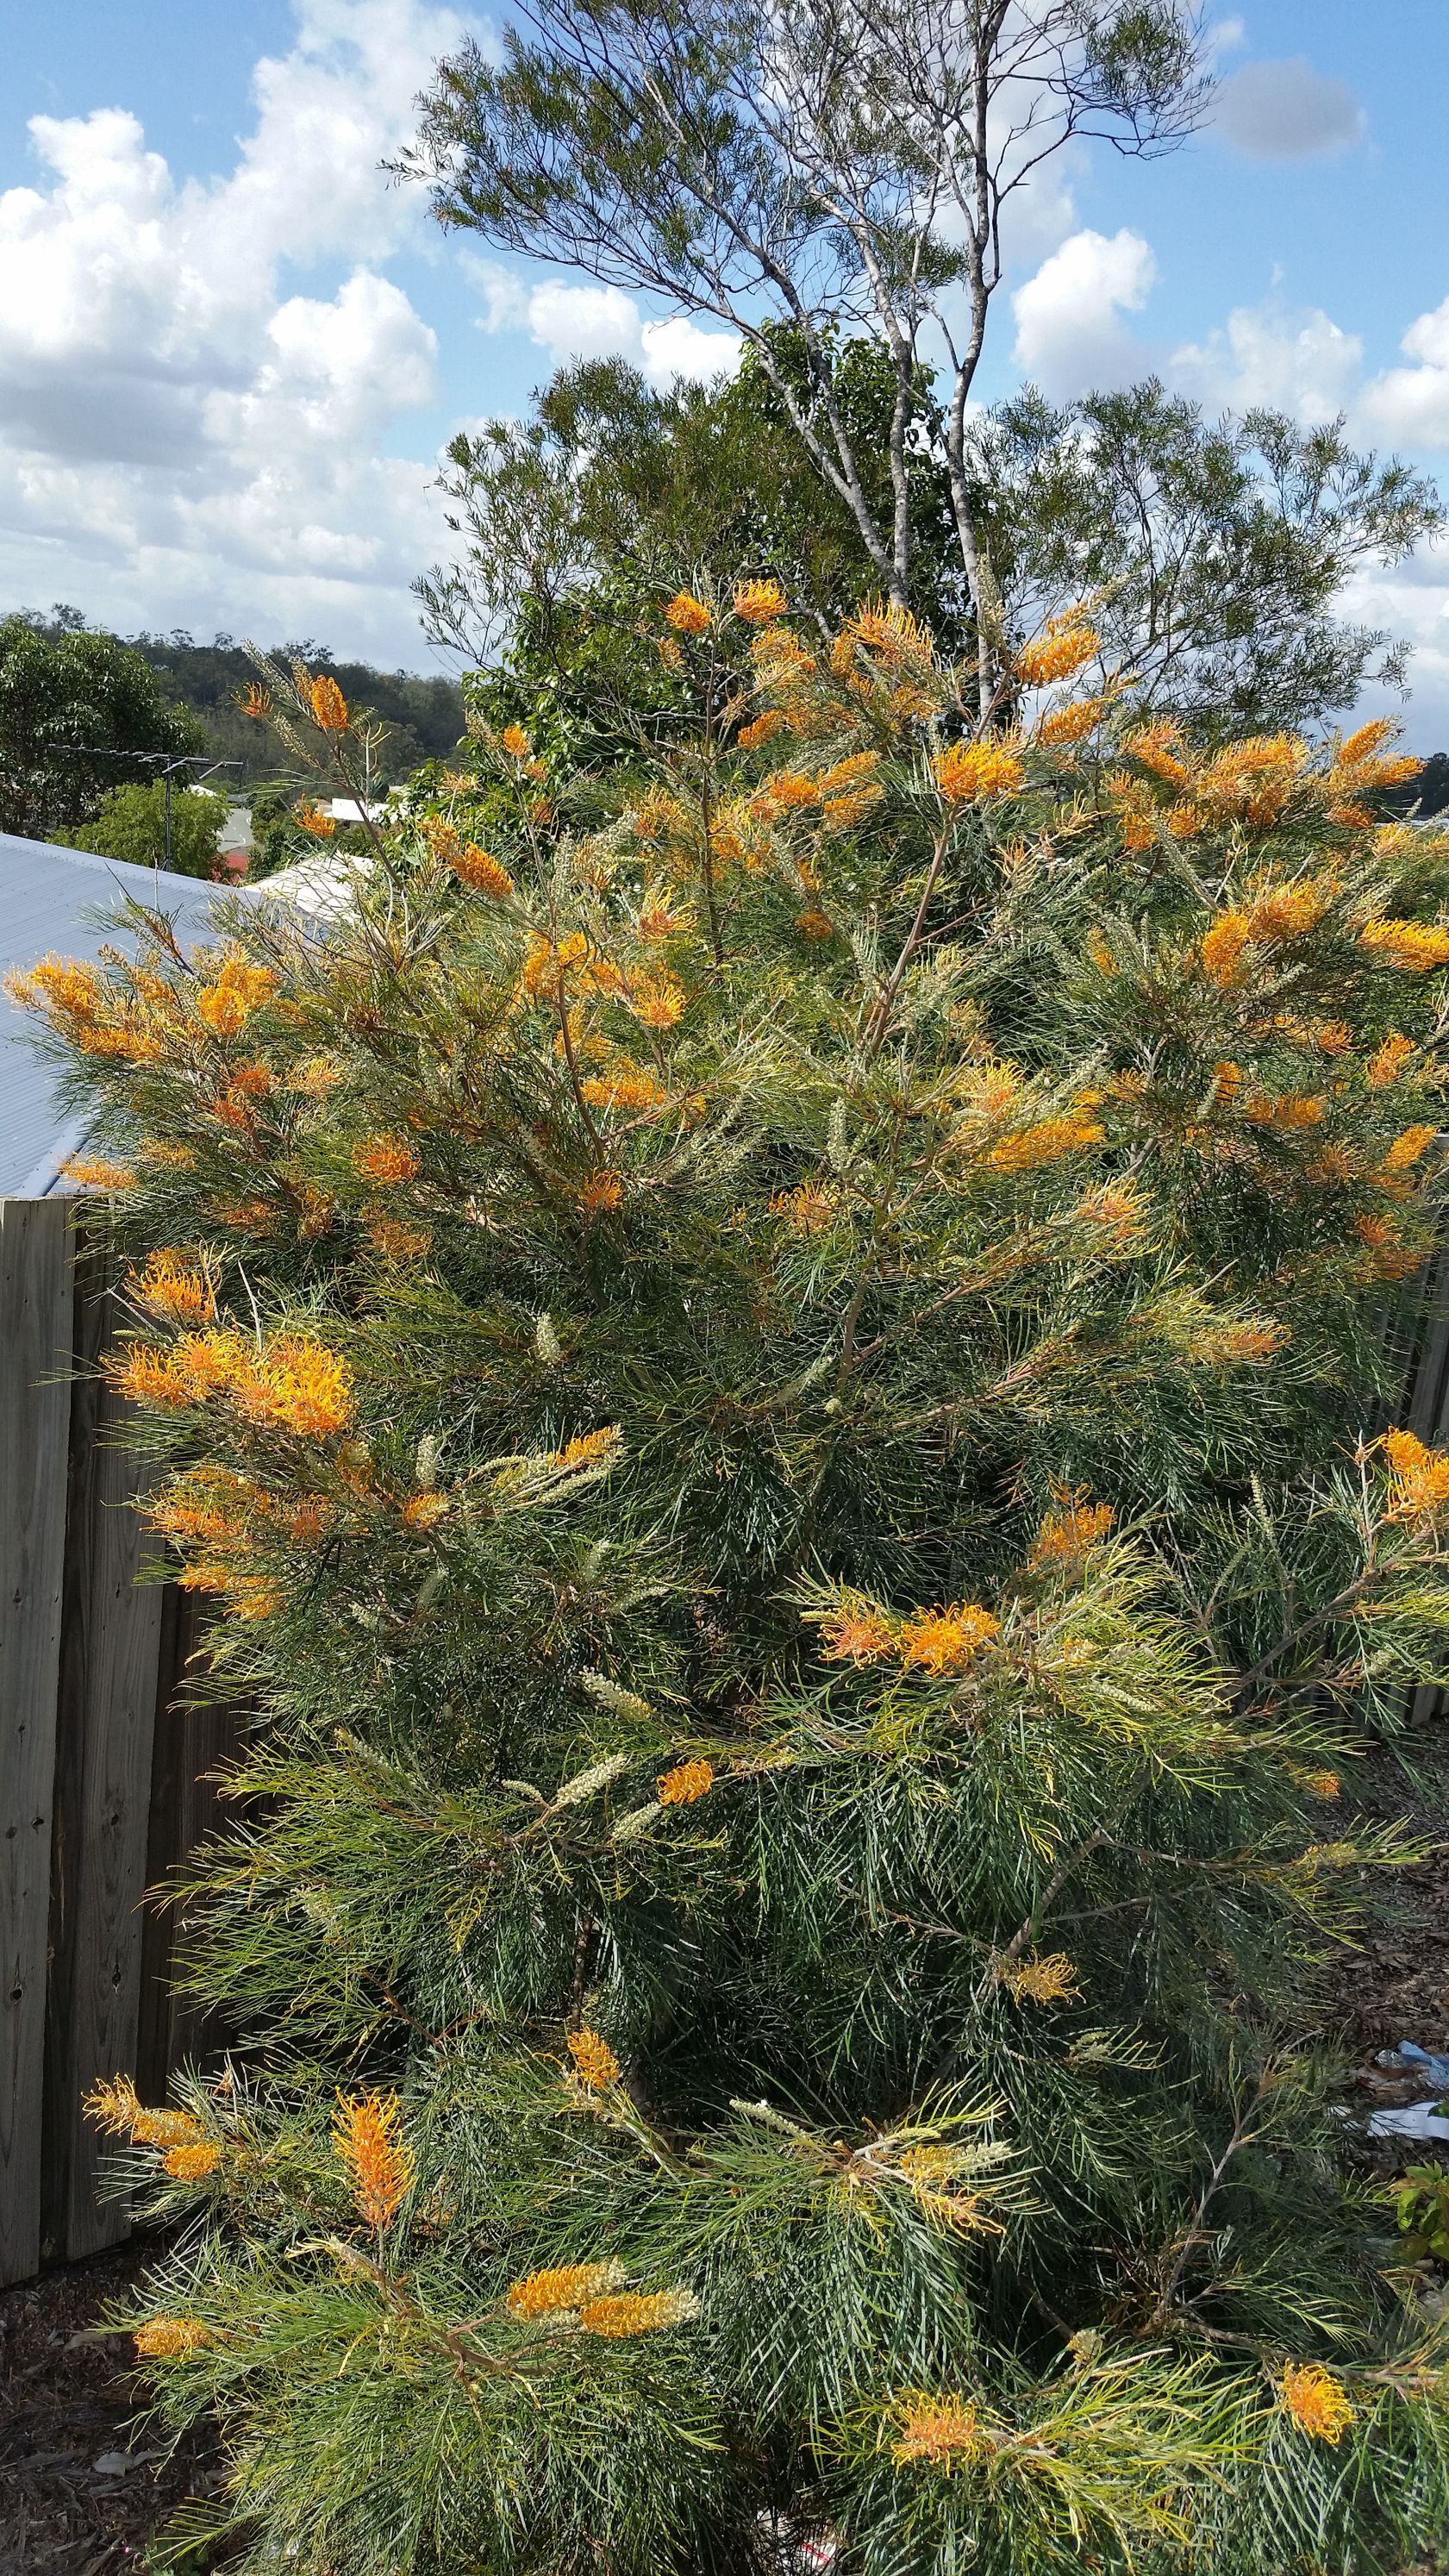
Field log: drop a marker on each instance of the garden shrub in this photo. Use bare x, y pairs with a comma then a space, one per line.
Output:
780, 1399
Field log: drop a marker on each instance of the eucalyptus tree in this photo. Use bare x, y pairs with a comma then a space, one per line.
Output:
807, 171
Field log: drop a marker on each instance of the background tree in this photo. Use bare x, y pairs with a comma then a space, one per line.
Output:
1217, 549
579, 522
770, 1395
130, 824
813, 170
68, 688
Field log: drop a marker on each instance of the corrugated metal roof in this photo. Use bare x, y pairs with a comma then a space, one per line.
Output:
49, 900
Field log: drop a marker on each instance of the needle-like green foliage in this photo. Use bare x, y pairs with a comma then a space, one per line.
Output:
777, 1397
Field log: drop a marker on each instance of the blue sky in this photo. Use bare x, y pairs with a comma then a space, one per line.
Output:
230, 350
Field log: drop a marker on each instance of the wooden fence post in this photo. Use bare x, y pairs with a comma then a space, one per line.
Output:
35, 1338
110, 1634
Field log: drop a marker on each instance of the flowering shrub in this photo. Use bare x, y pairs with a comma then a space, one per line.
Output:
775, 1394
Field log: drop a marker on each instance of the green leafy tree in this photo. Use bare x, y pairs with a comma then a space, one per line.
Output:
577, 524
1216, 551
769, 1394
65, 697
806, 172
131, 824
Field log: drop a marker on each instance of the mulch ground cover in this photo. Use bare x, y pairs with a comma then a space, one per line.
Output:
82, 2486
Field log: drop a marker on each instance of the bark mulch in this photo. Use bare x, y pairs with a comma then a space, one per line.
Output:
82, 2487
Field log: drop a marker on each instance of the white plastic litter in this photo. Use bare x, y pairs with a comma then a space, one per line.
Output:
1416, 2120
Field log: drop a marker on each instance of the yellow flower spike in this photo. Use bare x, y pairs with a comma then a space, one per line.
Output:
635, 2313
516, 742
1049, 1980
594, 2061
375, 2157
1319, 2404
547, 2294
169, 2338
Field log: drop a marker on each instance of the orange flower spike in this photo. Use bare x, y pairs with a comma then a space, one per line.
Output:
686, 1783
1417, 947
328, 705
759, 602
89, 1173
1407, 1148
299, 1386
1069, 641
1318, 2403
550, 2293
367, 2143
385, 1159
1222, 945
688, 615
1388, 1061
481, 872
968, 772
170, 1287
192, 2160
856, 1633
946, 1641
634, 2312
254, 701
602, 1193
936, 2432
516, 742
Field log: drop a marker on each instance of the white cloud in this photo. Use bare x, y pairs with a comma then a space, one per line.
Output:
1286, 111
1070, 335
179, 437
1301, 363
1412, 403
601, 322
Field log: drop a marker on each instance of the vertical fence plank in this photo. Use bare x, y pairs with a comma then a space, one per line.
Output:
35, 1341
193, 1735
106, 1706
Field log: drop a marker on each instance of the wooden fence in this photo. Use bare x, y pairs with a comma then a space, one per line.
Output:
102, 1763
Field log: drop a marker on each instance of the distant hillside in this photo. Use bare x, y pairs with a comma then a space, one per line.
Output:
424, 716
